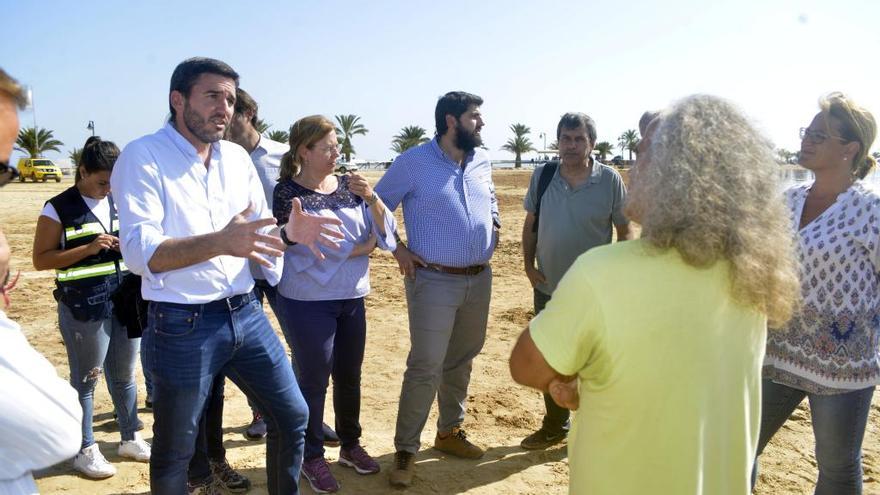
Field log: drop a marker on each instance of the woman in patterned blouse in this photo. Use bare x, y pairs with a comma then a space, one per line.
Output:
321, 301
828, 352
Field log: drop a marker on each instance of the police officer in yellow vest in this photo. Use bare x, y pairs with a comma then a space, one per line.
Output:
77, 235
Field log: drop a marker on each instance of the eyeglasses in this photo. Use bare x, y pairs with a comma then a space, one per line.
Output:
331, 149
819, 137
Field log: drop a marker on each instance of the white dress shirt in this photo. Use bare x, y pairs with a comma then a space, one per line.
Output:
41, 420
267, 161
164, 191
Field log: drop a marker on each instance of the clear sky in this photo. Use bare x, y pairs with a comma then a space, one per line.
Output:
389, 61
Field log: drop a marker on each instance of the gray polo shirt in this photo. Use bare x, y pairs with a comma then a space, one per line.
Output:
574, 220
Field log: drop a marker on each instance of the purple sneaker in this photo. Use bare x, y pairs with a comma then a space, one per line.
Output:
317, 472
358, 458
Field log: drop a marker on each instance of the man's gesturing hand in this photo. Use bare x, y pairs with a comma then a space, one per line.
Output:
242, 238
310, 230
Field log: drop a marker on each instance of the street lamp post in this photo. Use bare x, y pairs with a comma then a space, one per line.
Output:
91, 127
544, 136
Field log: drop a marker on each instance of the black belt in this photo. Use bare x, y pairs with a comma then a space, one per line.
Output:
229, 304
458, 270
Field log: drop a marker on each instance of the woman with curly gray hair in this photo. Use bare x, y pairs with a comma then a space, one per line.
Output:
665, 335
828, 352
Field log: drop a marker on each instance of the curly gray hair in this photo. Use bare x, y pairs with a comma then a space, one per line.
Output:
706, 184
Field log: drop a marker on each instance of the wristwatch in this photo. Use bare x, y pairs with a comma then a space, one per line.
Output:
284, 236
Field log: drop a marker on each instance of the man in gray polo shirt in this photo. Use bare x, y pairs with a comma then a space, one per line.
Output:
577, 209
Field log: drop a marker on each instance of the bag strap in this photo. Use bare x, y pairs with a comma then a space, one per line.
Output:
543, 182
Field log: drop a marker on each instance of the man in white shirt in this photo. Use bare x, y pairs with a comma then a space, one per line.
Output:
192, 213
40, 415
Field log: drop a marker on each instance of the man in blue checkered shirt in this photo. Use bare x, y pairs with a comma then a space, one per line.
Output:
451, 217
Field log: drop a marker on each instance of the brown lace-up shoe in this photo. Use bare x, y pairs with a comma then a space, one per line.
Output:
401, 475
456, 443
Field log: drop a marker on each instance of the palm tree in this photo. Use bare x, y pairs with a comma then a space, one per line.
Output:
785, 156
603, 148
262, 126
36, 141
628, 141
520, 143
348, 127
633, 147
279, 136
75, 156
410, 137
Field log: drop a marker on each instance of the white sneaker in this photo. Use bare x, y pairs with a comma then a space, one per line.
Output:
91, 463
136, 449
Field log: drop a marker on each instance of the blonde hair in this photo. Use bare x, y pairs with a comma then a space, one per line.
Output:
857, 124
711, 191
304, 132
9, 88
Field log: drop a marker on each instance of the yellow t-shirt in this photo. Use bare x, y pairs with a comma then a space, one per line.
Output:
669, 368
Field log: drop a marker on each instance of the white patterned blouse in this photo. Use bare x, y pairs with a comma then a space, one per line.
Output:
831, 344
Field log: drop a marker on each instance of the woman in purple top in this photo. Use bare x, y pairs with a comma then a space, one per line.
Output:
321, 298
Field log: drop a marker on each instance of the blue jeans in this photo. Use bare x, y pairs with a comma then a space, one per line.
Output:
838, 425
187, 346
328, 339
148, 380
93, 348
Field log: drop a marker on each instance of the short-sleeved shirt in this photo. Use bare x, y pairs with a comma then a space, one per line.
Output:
670, 388
574, 219
830, 346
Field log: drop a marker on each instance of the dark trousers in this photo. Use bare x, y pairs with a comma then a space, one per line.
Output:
328, 339
209, 442
556, 419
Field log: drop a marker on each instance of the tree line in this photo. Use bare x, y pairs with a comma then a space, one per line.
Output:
35, 141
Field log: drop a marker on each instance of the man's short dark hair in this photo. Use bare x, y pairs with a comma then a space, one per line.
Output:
187, 73
574, 120
454, 103
244, 103
9, 88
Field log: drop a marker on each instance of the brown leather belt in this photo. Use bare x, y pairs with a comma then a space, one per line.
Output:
456, 270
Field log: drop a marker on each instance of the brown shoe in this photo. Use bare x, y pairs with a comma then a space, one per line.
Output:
404, 466
456, 443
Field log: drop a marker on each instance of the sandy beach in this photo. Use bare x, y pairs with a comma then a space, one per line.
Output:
500, 413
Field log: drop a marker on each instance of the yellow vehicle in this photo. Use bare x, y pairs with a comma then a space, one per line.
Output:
38, 169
